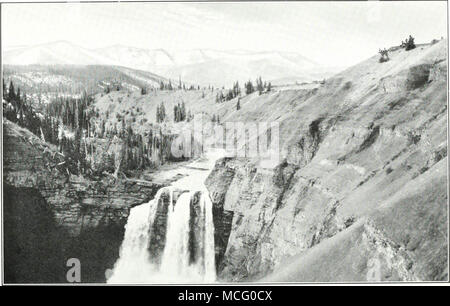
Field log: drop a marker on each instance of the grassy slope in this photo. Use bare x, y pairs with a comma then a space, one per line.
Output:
395, 185
143, 107
412, 226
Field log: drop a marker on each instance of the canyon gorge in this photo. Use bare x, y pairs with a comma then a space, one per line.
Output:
359, 193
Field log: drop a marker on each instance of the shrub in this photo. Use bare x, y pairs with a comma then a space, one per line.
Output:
384, 55
347, 85
408, 44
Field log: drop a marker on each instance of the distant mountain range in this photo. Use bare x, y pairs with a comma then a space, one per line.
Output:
55, 53
199, 66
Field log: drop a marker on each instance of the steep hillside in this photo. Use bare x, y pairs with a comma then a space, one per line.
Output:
140, 110
402, 240
361, 192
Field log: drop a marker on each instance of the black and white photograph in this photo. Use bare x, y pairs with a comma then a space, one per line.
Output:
224, 143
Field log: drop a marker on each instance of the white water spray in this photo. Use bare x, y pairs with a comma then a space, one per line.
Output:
175, 259
177, 264
133, 263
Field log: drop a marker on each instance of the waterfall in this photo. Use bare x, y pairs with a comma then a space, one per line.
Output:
171, 238
175, 258
188, 254
210, 258
133, 264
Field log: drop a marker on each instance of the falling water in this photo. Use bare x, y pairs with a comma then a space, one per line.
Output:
175, 259
210, 261
133, 264
184, 258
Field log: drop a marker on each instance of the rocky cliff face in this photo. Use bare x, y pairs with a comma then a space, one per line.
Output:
361, 191
91, 215
30, 232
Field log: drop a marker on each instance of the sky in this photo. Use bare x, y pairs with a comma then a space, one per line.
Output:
330, 33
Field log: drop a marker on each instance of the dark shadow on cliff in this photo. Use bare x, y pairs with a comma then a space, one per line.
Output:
97, 249
33, 250
36, 249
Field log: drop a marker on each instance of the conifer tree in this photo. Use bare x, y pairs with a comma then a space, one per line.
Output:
249, 88
157, 113
4, 89
259, 85
175, 113
183, 112
11, 92
236, 89
162, 112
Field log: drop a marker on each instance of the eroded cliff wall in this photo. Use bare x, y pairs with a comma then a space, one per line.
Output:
81, 218
361, 190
